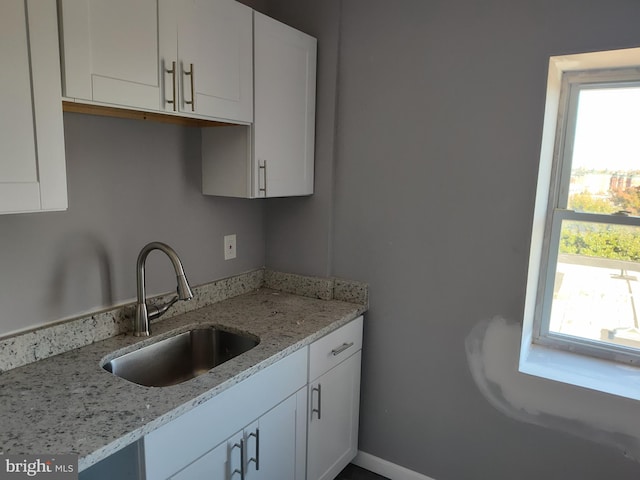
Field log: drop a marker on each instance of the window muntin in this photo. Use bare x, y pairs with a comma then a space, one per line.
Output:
591, 266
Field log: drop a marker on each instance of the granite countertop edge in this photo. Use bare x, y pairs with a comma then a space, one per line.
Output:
89, 399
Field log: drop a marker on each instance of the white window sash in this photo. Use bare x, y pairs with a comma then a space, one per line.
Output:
568, 342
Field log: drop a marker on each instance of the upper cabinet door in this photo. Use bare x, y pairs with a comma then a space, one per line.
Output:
185, 57
284, 116
32, 165
111, 51
214, 57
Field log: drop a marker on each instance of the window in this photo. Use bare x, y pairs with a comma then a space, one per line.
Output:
582, 306
591, 265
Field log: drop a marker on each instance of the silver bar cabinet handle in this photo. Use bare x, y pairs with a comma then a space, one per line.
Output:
172, 71
191, 75
257, 457
319, 409
262, 167
241, 447
338, 350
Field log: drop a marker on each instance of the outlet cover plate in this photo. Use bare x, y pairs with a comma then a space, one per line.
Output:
230, 247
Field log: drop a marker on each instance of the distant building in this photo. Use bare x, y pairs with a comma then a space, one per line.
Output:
592, 183
602, 183
622, 182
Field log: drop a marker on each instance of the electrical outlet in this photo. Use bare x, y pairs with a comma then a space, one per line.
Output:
229, 247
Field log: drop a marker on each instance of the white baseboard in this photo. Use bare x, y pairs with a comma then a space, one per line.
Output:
386, 469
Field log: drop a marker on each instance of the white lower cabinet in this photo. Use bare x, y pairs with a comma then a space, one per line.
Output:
296, 419
254, 430
281, 436
334, 401
214, 464
272, 447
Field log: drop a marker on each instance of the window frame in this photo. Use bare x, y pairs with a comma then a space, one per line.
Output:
537, 360
572, 83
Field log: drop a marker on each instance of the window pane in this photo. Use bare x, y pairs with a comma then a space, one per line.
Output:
605, 167
596, 291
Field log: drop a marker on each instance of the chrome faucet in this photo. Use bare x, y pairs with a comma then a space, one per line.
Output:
141, 326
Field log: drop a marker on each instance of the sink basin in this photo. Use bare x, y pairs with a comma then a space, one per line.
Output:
181, 357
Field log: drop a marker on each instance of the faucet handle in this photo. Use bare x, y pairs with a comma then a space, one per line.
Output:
157, 310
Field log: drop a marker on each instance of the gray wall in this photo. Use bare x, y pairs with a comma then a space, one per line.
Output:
130, 182
440, 108
299, 239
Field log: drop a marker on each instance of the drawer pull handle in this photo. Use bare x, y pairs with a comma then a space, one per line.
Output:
191, 77
338, 350
262, 167
319, 409
241, 447
257, 457
172, 71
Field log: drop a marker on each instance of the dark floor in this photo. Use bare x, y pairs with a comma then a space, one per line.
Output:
351, 472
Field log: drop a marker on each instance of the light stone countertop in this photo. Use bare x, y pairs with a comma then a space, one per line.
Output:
68, 404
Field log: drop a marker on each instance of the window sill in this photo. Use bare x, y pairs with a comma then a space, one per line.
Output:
575, 369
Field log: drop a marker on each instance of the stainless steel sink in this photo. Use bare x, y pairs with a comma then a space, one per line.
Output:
181, 357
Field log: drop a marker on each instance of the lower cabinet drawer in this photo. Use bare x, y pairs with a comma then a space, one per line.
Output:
333, 348
180, 442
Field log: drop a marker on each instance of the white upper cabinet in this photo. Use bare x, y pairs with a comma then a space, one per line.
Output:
32, 163
275, 157
185, 57
213, 51
111, 52
285, 100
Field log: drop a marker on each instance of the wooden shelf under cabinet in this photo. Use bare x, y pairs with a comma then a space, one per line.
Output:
137, 115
